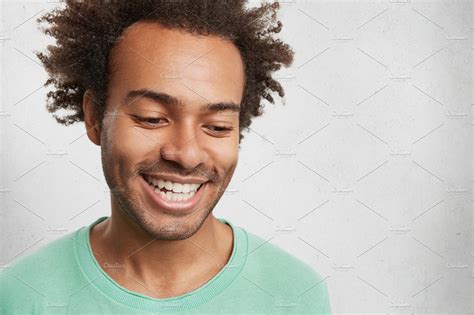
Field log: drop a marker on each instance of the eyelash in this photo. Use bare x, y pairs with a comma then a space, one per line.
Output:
149, 119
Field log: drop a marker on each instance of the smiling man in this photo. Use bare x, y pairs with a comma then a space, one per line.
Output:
165, 88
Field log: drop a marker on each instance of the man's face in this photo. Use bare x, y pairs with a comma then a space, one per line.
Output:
158, 125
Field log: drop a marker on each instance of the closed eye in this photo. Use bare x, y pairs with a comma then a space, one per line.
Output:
156, 121
150, 120
220, 128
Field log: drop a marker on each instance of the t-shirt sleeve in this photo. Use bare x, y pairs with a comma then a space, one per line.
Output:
327, 304
17, 296
314, 300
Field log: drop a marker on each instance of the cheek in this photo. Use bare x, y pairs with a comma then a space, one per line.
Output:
126, 145
224, 158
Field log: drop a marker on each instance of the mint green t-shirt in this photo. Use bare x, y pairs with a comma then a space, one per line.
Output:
63, 277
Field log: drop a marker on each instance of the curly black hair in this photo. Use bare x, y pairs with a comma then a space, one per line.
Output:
86, 31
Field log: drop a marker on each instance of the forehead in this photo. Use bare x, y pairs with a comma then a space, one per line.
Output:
194, 68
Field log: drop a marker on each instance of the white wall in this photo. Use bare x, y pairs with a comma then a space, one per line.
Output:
367, 165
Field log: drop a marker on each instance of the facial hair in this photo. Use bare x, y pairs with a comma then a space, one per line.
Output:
126, 199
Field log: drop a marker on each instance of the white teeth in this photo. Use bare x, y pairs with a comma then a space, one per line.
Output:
177, 191
186, 188
174, 196
161, 183
162, 193
177, 187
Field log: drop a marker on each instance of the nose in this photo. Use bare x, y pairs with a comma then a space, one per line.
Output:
183, 147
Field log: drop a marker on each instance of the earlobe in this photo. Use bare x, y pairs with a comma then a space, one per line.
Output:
91, 119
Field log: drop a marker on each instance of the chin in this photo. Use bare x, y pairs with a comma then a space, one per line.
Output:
165, 227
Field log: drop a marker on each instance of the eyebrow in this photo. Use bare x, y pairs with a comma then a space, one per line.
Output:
170, 100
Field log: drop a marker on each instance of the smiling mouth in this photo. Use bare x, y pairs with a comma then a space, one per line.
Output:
172, 191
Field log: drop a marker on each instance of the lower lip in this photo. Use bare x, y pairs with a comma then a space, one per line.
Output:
173, 206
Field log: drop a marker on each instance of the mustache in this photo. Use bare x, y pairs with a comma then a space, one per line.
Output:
162, 169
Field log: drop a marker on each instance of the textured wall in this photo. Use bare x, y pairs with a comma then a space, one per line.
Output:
364, 172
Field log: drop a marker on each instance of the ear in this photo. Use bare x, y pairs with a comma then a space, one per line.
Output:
91, 118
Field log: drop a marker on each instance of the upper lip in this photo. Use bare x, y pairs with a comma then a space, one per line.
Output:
178, 179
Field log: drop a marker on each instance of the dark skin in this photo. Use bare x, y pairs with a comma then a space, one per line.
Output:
159, 253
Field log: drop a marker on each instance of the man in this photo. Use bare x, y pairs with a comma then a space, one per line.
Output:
165, 89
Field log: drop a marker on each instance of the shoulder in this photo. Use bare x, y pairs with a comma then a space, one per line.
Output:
48, 257
30, 282
267, 258
293, 282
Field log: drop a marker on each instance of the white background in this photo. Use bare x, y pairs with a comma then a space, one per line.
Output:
364, 172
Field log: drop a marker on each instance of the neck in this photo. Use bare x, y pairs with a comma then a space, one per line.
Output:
164, 266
